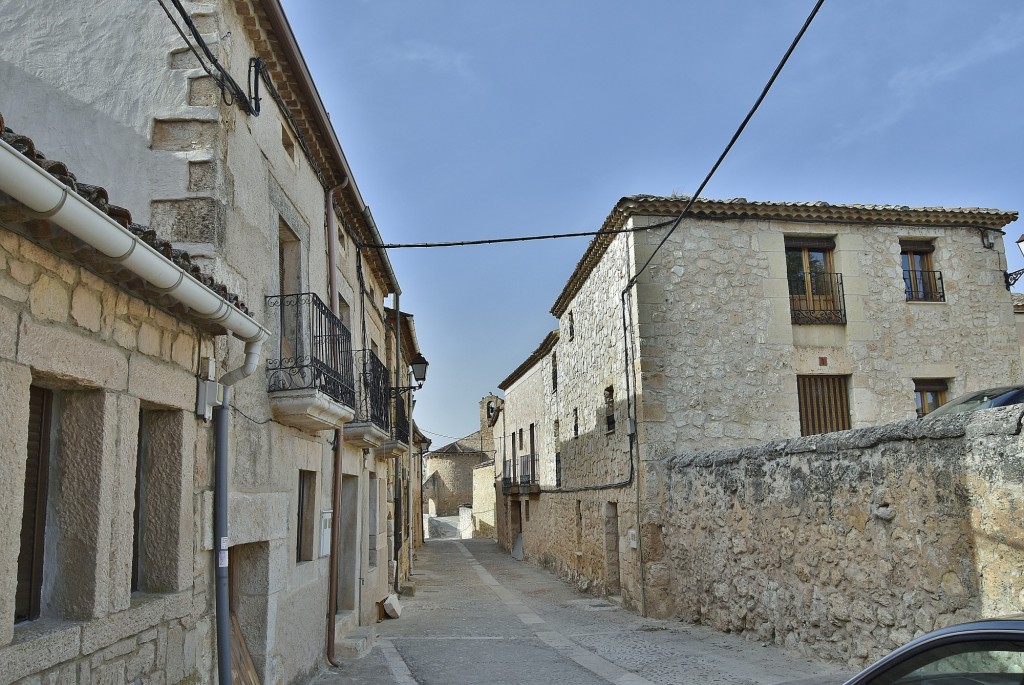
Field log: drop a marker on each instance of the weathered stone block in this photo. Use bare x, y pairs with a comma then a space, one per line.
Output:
202, 92
83, 359
49, 299
202, 176
86, 309
183, 135
38, 646
191, 220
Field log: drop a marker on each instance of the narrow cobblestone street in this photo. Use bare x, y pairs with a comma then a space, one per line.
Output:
479, 616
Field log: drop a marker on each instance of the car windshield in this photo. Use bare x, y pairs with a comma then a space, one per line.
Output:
965, 663
978, 400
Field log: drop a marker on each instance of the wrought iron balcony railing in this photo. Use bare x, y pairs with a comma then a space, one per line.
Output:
373, 390
817, 298
508, 471
314, 350
527, 475
923, 286
401, 421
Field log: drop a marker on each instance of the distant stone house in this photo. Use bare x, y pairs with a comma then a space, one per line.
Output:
114, 349
448, 470
755, 321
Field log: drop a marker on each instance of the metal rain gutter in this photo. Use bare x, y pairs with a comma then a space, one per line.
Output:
33, 187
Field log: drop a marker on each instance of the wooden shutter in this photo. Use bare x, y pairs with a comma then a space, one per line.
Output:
33, 520
824, 404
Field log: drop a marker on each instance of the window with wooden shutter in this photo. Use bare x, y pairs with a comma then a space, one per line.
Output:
33, 520
824, 404
929, 394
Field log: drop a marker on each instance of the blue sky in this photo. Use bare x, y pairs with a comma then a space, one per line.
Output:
466, 119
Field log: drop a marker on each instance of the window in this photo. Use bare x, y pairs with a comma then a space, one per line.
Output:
572, 326
558, 454
554, 372
824, 404
815, 290
575, 423
306, 516
289, 282
929, 394
609, 409
160, 543
287, 142
33, 520
920, 282
522, 444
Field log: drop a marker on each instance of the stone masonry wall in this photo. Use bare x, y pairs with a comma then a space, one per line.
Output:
721, 356
582, 528
448, 482
108, 355
846, 545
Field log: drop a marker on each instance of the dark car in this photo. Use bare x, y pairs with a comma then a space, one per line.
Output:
989, 652
982, 399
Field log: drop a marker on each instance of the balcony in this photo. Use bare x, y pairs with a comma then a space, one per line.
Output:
519, 475
311, 381
923, 286
399, 442
817, 298
371, 426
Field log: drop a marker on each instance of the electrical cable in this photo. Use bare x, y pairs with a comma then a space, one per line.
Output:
519, 239
220, 84
251, 419
257, 65
732, 141
231, 92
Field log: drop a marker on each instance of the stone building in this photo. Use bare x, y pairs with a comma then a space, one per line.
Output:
755, 321
114, 353
448, 470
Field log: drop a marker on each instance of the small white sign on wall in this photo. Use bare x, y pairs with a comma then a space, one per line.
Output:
631, 539
325, 532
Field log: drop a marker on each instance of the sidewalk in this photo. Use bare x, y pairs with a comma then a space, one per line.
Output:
479, 616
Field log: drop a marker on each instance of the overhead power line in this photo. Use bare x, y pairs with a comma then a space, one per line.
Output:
520, 239
732, 141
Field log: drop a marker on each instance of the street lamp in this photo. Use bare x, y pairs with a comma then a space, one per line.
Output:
419, 373
1013, 276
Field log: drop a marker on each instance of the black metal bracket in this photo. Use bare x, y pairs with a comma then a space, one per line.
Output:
1012, 277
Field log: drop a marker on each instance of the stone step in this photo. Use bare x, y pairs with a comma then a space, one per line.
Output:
357, 643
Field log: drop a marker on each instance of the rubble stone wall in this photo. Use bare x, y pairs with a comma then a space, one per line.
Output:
845, 545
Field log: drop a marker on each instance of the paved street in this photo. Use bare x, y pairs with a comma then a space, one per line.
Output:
479, 616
